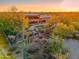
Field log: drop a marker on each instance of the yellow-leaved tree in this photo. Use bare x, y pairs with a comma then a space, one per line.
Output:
52, 20
25, 23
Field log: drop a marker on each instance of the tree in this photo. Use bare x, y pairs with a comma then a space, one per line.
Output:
13, 9
64, 30
71, 29
54, 19
60, 29
25, 23
66, 20
56, 44
76, 25
6, 26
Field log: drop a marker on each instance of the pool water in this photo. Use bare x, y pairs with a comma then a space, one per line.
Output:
73, 46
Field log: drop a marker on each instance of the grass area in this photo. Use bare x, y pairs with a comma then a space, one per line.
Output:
4, 45
6, 57
3, 42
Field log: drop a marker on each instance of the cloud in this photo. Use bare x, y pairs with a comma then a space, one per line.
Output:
29, 1
70, 4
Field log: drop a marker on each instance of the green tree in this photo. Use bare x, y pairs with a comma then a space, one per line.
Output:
60, 29
76, 25
56, 44
64, 30
6, 26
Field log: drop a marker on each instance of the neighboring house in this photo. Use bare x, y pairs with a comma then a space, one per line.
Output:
36, 18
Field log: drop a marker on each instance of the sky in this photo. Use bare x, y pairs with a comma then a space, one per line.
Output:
40, 5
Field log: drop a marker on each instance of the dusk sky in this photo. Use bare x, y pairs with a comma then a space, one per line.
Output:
40, 5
